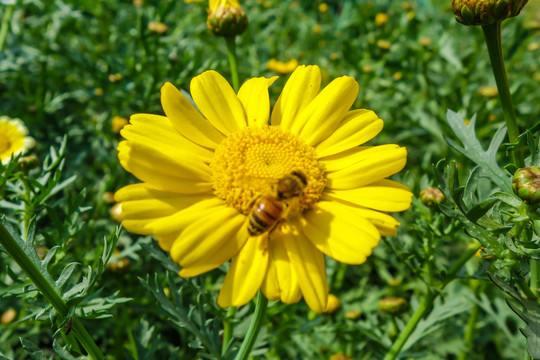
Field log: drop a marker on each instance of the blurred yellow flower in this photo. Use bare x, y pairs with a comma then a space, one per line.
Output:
317, 28
13, 138
424, 41
118, 123
339, 357
282, 67
488, 91
381, 19
397, 75
333, 304
323, 7
384, 44
533, 46
273, 191
193, 1
157, 27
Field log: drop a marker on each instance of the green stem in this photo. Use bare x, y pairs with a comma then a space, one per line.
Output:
231, 52
254, 327
427, 303
470, 331
526, 290
48, 290
535, 269
5, 25
228, 328
492, 34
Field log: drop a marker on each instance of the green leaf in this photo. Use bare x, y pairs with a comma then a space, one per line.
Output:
32, 349
480, 209
473, 149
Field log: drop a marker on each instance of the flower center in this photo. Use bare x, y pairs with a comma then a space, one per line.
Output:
249, 163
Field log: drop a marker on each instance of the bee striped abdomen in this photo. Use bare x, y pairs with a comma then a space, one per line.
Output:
266, 212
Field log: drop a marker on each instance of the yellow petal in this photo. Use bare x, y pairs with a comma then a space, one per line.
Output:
281, 281
218, 102
340, 232
169, 225
385, 223
308, 263
140, 201
188, 120
366, 167
175, 171
358, 127
246, 273
210, 242
323, 115
380, 195
302, 87
157, 131
254, 96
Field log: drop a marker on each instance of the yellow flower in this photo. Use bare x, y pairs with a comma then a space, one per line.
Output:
381, 19
203, 173
157, 27
281, 67
333, 304
384, 44
323, 7
13, 139
118, 123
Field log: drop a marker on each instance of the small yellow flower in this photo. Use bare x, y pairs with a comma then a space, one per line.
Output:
424, 41
204, 169
8, 316
411, 15
157, 27
193, 1
368, 69
13, 138
118, 123
339, 357
533, 46
282, 67
317, 28
333, 304
488, 91
397, 75
381, 19
352, 314
138, 3
334, 56
115, 77
384, 44
323, 7
98, 91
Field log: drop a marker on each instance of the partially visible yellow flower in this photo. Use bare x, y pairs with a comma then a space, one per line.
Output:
157, 27
118, 123
317, 28
488, 91
411, 15
397, 75
226, 18
384, 44
323, 7
282, 67
424, 41
193, 1
205, 172
333, 304
381, 19
13, 138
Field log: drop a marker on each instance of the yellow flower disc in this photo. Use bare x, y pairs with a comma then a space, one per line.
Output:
249, 163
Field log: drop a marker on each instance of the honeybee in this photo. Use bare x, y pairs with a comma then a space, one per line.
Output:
268, 209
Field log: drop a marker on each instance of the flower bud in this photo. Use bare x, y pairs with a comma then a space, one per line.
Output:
485, 12
226, 18
393, 305
8, 316
526, 184
431, 195
352, 314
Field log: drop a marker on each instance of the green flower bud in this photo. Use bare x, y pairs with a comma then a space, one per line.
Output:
393, 305
526, 184
485, 12
431, 195
226, 18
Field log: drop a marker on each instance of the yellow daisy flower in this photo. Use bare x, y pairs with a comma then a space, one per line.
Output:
203, 173
13, 139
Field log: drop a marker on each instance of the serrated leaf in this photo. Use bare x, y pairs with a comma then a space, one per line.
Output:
32, 349
473, 150
480, 209
509, 199
63, 353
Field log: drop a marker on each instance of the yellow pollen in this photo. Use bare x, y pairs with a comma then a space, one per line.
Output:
249, 163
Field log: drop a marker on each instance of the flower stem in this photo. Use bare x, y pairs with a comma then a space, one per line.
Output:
254, 327
5, 25
231, 52
535, 270
228, 328
48, 290
427, 303
492, 34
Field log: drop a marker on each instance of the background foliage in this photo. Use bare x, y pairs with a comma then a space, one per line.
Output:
69, 67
